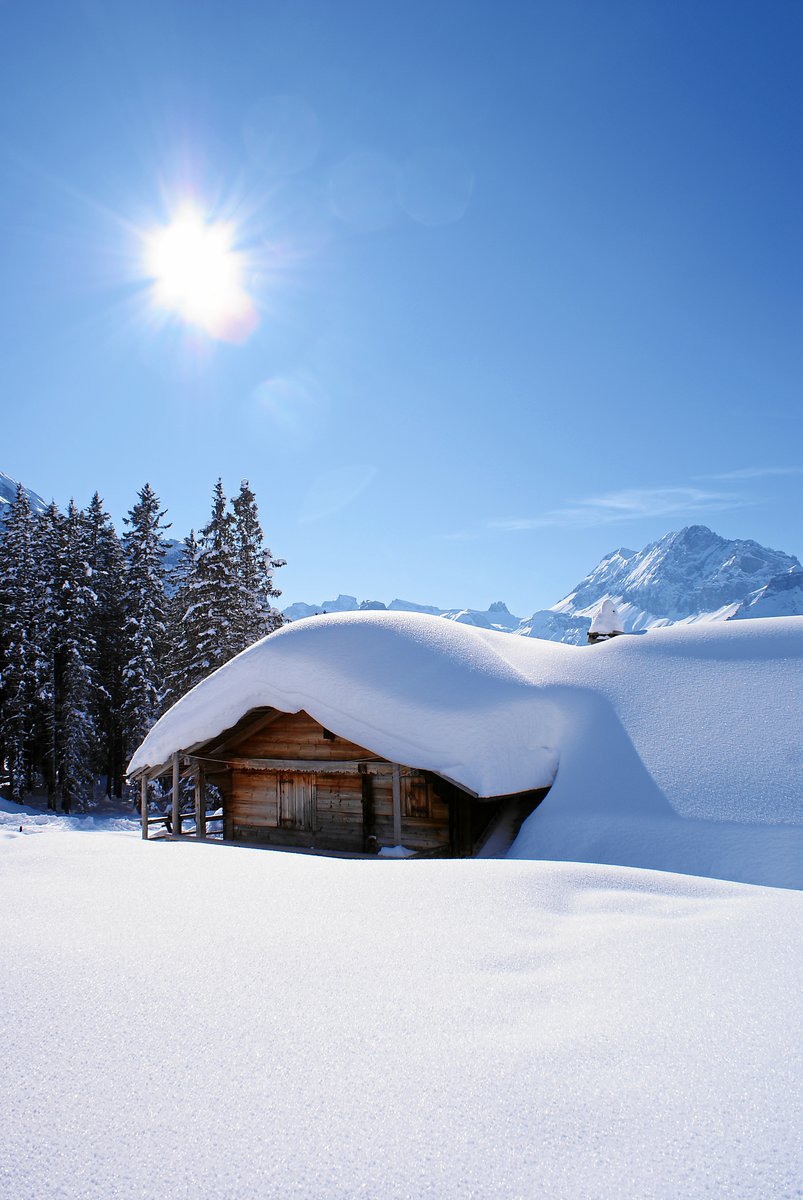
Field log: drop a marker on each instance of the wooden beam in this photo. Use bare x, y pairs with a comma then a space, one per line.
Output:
176, 797
259, 723
397, 825
143, 804
200, 803
356, 766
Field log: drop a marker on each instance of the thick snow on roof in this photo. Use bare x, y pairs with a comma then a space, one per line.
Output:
408, 686
606, 619
678, 749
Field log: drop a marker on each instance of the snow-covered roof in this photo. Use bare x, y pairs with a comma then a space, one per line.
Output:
705, 720
606, 619
411, 687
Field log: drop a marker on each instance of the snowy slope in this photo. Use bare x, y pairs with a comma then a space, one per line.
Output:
8, 492
677, 750
188, 1021
556, 627
693, 573
782, 596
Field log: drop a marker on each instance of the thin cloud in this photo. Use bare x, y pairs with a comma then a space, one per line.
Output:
335, 490
752, 473
627, 505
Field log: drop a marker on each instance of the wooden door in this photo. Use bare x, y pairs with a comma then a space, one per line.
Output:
296, 801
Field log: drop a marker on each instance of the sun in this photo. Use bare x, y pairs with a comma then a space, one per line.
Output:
198, 274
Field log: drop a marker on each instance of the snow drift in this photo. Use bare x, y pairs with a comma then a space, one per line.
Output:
191, 1020
677, 750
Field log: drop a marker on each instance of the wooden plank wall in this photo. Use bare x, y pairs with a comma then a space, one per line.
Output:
297, 735
321, 810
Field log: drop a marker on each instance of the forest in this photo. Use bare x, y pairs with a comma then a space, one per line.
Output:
101, 633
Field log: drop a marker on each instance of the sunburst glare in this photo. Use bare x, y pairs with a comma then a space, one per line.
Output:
198, 274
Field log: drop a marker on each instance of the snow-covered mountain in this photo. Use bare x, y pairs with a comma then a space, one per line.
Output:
781, 597
496, 617
692, 575
8, 492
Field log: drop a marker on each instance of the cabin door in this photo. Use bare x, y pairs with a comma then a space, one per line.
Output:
295, 797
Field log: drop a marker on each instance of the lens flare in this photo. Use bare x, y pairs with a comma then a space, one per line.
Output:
198, 274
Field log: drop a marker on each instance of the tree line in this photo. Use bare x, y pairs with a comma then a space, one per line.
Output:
99, 635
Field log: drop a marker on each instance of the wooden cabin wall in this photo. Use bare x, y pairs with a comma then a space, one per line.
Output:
337, 811
297, 735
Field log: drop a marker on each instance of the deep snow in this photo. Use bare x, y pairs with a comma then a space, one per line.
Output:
186, 1020
678, 749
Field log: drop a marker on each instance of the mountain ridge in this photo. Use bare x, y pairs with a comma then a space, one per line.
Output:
688, 575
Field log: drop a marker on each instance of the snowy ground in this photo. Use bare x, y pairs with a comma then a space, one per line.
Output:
189, 1020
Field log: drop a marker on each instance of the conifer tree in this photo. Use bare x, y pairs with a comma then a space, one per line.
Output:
254, 614
20, 651
180, 659
50, 538
209, 633
75, 602
145, 602
107, 569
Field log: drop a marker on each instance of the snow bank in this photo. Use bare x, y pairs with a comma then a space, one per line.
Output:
684, 754
317, 1029
23, 820
679, 749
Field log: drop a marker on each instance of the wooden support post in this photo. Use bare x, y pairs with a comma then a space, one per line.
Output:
397, 823
200, 802
143, 803
176, 797
368, 837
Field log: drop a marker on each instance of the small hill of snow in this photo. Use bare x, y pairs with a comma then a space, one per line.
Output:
679, 750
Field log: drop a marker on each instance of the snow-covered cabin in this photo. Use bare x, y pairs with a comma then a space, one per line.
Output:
606, 622
678, 751
302, 751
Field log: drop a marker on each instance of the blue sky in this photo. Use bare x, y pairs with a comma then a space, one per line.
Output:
526, 277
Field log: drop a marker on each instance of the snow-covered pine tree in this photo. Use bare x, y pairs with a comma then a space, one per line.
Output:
145, 602
254, 614
50, 536
18, 646
75, 604
209, 635
107, 566
179, 669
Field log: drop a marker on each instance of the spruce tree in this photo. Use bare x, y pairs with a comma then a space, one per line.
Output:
145, 603
50, 538
209, 630
75, 603
20, 651
180, 659
107, 570
254, 613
